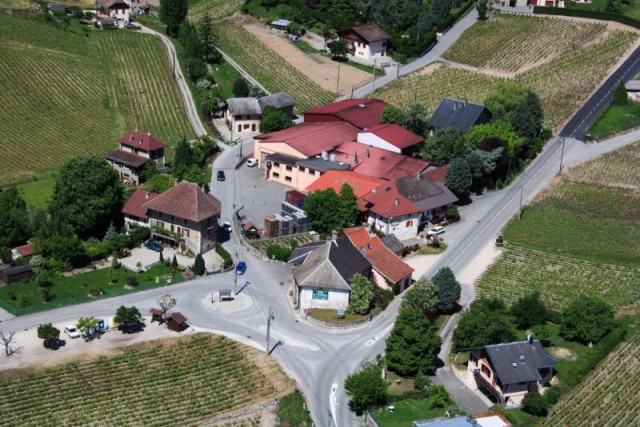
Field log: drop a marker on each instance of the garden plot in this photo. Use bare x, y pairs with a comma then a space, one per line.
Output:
173, 382
559, 279
607, 397
511, 43
268, 67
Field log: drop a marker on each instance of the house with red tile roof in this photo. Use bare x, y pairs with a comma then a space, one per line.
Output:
362, 113
136, 150
134, 211
389, 269
185, 213
390, 137
361, 184
366, 43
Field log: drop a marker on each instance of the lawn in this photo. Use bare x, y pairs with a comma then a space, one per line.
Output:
500, 43
85, 92
172, 382
554, 82
37, 193
76, 289
406, 412
615, 119
305, 47
292, 412
225, 75
632, 9
331, 316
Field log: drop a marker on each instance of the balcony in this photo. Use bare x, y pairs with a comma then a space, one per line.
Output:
487, 387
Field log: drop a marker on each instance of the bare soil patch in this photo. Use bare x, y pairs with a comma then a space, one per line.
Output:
319, 68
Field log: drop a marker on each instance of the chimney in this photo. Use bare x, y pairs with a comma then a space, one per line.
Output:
146, 196
356, 158
140, 141
131, 138
367, 153
397, 201
149, 133
418, 176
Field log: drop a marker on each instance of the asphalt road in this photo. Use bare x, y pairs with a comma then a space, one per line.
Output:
578, 126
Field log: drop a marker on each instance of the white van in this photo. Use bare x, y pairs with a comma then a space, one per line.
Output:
435, 230
252, 162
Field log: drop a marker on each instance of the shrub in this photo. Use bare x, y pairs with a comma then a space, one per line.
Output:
542, 333
228, 261
422, 382
553, 395
535, 404
198, 266
278, 252
453, 214
132, 280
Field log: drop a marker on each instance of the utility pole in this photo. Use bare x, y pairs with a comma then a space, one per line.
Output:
269, 320
520, 209
561, 156
338, 81
235, 277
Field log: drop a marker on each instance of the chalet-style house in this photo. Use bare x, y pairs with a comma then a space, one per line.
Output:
459, 114
117, 10
366, 43
134, 211
185, 213
243, 115
322, 273
389, 271
362, 113
507, 372
136, 150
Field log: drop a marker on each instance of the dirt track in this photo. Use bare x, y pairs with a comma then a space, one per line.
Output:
317, 67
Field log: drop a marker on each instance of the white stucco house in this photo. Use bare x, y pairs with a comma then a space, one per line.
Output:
366, 44
115, 9
243, 115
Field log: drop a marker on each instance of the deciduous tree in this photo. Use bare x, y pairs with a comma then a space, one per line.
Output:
160, 183
529, 311
86, 324
415, 119
338, 49
587, 319
89, 195
458, 178
240, 88
14, 218
481, 7
361, 295
173, 13
485, 322
166, 303
448, 289
329, 211
413, 345
392, 114
442, 147
48, 333
366, 388
423, 296
273, 120
128, 318
68, 251
6, 340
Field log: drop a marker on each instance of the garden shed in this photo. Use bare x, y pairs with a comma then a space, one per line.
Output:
10, 275
177, 322
156, 315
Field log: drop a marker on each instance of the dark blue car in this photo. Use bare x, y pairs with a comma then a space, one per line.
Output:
153, 245
241, 268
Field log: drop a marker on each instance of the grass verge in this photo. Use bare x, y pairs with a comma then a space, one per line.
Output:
615, 119
406, 412
292, 411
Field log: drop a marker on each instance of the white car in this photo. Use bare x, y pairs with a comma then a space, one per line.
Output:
71, 331
435, 230
252, 162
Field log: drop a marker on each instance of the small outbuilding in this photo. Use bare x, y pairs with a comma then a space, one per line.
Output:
156, 315
280, 24
177, 322
15, 274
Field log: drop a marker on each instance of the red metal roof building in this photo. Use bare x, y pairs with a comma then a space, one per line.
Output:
361, 184
362, 113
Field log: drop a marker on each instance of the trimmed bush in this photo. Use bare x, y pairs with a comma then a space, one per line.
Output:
278, 252
594, 355
228, 261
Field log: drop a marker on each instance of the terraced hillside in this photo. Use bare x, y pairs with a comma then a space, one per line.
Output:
556, 81
269, 68
511, 42
175, 382
608, 397
64, 94
578, 237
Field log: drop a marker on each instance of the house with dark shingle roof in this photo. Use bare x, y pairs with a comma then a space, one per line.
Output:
323, 271
244, 114
459, 114
366, 42
389, 270
185, 213
135, 151
507, 372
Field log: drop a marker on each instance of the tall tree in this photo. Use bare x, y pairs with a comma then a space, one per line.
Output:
329, 211
273, 120
536, 110
198, 266
458, 178
190, 40
129, 318
366, 388
183, 158
14, 218
240, 88
504, 99
587, 319
448, 289
482, 7
348, 208
620, 96
441, 148
415, 119
485, 322
439, 9
529, 311
361, 295
523, 121
338, 49
206, 33
392, 114
173, 13
413, 345
69, 252
89, 195
6, 340
48, 333
423, 296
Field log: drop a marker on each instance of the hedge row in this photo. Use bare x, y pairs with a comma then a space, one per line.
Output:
228, 261
593, 14
595, 355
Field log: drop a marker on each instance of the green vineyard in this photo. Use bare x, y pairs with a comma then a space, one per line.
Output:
64, 94
175, 383
510, 42
620, 167
269, 68
608, 397
217, 9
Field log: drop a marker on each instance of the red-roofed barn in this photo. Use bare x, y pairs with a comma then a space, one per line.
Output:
362, 113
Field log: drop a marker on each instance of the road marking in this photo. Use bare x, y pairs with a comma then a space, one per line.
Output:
377, 337
333, 401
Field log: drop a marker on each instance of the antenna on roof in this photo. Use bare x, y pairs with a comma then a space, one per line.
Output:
367, 153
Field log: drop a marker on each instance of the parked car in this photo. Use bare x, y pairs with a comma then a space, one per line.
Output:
241, 268
226, 226
252, 163
71, 331
294, 38
153, 245
221, 176
435, 230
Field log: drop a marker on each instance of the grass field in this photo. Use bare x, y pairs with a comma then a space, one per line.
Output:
173, 382
578, 237
509, 42
268, 68
555, 82
225, 76
406, 412
608, 397
63, 94
75, 289
615, 119
217, 9
37, 193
